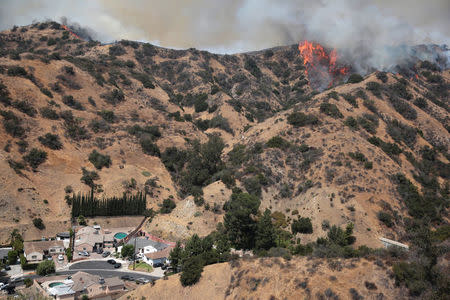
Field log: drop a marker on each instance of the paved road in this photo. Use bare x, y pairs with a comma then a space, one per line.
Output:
109, 273
92, 265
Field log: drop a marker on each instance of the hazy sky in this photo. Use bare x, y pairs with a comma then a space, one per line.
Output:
241, 25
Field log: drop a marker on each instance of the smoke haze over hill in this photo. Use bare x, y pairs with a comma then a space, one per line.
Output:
362, 28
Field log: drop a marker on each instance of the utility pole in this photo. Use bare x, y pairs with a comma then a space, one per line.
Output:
134, 254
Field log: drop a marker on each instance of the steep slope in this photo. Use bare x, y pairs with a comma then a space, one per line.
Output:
275, 278
91, 95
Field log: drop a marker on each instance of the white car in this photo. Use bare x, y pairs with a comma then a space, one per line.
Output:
60, 257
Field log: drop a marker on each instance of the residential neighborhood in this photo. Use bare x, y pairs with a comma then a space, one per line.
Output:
85, 261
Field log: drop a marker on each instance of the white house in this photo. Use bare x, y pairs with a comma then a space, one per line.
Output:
35, 251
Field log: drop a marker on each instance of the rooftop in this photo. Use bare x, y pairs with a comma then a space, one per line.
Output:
40, 246
160, 254
142, 242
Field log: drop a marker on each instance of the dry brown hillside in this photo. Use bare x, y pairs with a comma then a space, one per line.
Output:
275, 278
334, 167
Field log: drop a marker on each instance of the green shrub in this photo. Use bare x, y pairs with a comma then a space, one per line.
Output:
299, 119
37, 222
99, 160
17, 71
144, 79
355, 78
116, 50
403, 108
421, 103
71, 102
45, 268
99, 126
12, 124
35, 157
368, 122
330, 110
51, 141
402, 132
413, 275
382, 76
151, 131
167, 206
351, 122
357, 156
388, 148
107, 115
200, 103
113, 97
386, 218
25, 107
302, 225
278, 142
375, 88
399, 90
46, 92
350, 99
370, 105
148, 147
251, 66
49, 113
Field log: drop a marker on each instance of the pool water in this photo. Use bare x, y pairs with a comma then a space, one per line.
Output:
120, 235
53, 284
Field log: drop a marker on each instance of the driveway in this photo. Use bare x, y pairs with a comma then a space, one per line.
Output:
92, 265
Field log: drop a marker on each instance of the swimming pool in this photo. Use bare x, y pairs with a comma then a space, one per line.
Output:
53, 284
120, 235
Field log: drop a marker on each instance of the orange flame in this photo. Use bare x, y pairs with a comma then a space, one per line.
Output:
315, 57
70, 31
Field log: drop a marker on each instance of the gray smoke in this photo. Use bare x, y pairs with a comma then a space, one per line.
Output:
367, 31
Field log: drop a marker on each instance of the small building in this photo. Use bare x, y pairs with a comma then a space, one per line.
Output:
144, 245
4, 254
63, 236
36, 251
157, 257
390, 243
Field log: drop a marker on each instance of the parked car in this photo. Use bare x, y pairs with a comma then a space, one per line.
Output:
164, 267
111, 261
142, 280
117, 265
83, 253
2, 286
7, 268
106, 254
157, 264
99, 250
60, 257
126, 277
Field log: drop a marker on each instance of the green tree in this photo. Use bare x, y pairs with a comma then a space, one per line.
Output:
192, 271
28, 282
167, 206
16, 241
69, 254
302, 225
239, 220
82, 221
127, 250
12, 257
265, 232
38, 223
176, 256
46, 267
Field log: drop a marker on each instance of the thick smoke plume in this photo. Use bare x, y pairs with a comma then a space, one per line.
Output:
369, 32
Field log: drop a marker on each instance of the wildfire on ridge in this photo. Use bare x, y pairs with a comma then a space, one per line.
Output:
321, 67
70, 31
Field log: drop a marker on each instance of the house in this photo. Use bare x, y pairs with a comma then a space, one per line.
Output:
4, 254
144, 245
36, 251
80, 284
157, 257
88, 239
63, 236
